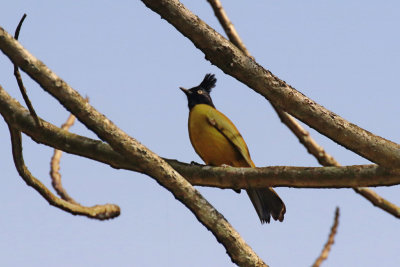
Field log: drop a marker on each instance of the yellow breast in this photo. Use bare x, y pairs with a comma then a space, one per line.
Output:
210, 144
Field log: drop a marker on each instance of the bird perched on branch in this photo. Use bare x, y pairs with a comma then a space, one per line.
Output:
218, 142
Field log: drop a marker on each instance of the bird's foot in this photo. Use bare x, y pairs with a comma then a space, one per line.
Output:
225, 166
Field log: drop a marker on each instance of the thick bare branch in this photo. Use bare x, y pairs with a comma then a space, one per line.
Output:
327, 160
303, 136
298, 177
367, 138
232, 61
134, 152
101, 212
51, 135
331, 239
96, 212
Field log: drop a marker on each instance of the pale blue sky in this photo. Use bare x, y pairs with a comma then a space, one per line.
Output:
343, 54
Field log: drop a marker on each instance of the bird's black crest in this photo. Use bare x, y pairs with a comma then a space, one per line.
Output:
208, 82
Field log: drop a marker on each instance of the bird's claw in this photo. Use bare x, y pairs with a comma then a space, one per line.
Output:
225, 166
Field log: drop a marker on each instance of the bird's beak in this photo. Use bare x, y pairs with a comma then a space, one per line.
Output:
186, 91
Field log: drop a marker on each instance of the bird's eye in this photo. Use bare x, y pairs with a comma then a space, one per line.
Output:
200, 92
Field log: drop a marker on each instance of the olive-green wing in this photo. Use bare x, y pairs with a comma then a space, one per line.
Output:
265, 200
229, 130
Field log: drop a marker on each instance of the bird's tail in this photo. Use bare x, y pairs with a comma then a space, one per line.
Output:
267, 202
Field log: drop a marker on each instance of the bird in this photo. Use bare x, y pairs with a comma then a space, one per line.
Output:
218, 143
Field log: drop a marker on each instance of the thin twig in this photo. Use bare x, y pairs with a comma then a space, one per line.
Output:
304, 136
331, 239
19, 78
55, 166
378, 201
18, 29
228, 26
103, 212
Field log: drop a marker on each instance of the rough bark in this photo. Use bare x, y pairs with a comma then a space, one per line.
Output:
302, 177
133, 151
234, 62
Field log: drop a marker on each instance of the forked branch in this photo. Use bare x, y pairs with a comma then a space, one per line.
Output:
19, 78
302, 177
135, 153
232, 61
95, 212
101, 212
303, 136
55, 166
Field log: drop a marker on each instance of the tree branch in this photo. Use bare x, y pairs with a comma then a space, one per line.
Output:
298, 177
55, 166
96, 212
228, 27
203, 23
331, 239
318, 177
19, 78
134, 152
303, 136
101, 212
327, 160
379, 201
232, 61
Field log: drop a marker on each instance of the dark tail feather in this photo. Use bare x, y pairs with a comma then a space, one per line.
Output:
267, 202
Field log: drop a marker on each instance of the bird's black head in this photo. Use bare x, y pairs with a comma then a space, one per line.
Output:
201, 94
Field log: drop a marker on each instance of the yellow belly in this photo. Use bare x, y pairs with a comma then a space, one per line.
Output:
210, 144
